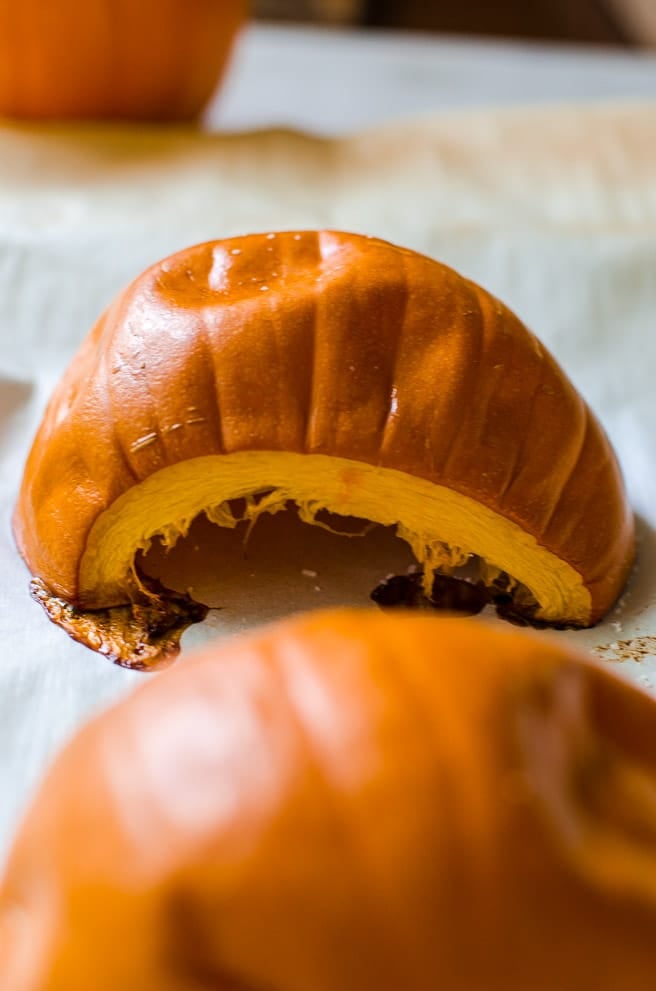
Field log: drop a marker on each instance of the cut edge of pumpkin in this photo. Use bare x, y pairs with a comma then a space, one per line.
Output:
443, 528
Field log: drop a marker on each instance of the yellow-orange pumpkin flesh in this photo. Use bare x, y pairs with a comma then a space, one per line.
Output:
443, 528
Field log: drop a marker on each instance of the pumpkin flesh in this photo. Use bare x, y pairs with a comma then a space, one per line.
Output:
442, 527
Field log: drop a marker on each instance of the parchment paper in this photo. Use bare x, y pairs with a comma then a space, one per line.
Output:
554, 211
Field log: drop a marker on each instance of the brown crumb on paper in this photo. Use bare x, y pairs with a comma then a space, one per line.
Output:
636, 649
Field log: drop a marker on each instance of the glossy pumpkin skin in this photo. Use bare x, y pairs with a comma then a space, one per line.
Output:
348, 802
156, 60
333, 344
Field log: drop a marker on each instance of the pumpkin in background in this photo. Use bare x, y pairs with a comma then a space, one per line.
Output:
348, 802
118, 59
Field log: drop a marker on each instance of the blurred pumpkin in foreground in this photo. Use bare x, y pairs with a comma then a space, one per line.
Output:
348, 802
115, 59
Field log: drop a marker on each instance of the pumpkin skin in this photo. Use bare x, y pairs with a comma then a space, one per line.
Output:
114, 59
348, 802
341, 372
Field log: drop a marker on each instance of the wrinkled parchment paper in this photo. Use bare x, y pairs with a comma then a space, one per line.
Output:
554, 211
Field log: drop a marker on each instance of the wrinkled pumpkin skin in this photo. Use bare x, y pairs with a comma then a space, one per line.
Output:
157, 60
348, 802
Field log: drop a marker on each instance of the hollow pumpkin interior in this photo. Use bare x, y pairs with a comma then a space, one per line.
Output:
258, 573
442, 530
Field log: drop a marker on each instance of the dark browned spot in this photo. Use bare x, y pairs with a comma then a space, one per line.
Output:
141, 635
466, 596
448, 593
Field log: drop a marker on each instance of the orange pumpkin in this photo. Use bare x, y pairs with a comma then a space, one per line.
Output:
336, 371
123, 59
348, 802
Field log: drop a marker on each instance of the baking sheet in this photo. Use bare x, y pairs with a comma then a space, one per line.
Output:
554, 211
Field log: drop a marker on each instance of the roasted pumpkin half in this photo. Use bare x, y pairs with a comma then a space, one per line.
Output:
335, 372
348, 802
